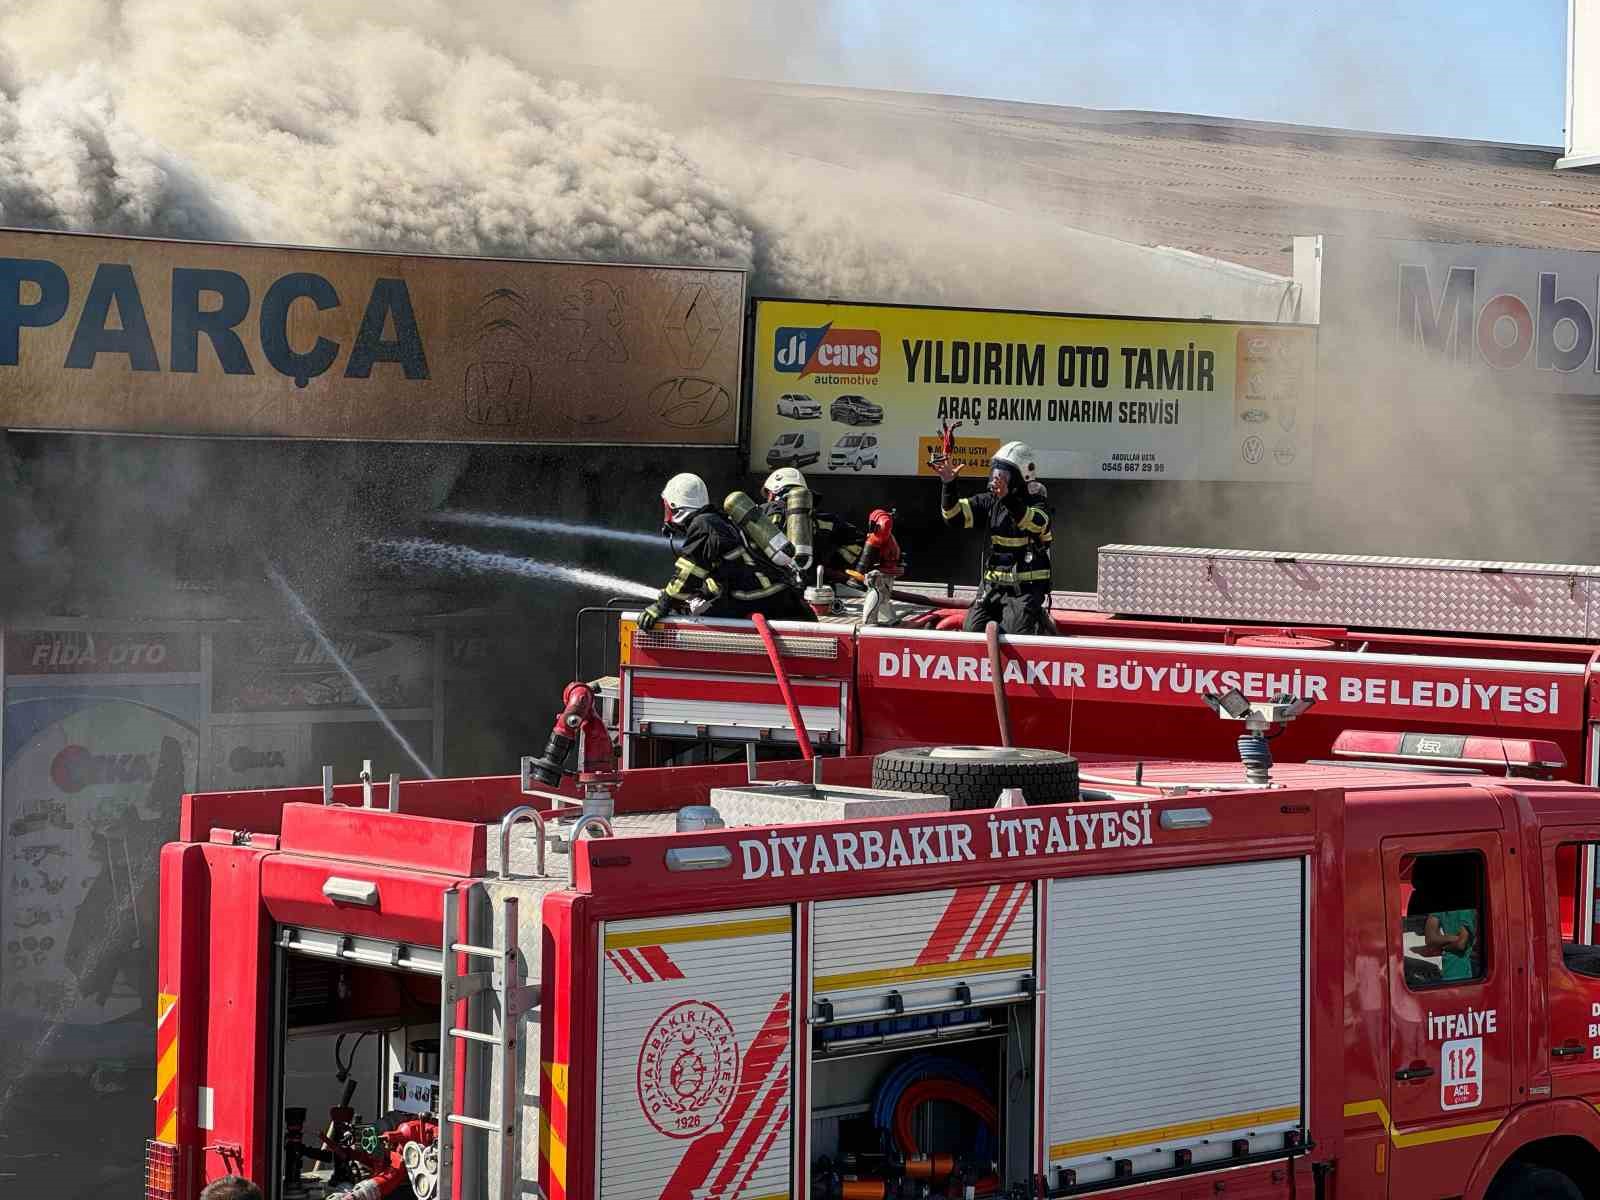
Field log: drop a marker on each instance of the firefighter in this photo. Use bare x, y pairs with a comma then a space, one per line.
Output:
821, 539
1015, 589
715, 570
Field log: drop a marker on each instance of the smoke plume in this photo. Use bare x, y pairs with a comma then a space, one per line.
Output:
414, 126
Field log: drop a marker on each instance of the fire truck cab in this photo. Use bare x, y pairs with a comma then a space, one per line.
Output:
1346, 980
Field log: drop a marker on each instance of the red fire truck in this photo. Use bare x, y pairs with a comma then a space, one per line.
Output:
1172, 980
1420, 660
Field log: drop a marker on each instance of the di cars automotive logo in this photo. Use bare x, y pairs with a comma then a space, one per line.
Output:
823, 349
688, 1069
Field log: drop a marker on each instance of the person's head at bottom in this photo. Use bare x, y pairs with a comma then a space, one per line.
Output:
231, 1187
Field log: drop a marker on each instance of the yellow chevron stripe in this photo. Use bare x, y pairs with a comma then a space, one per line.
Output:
714, 932
969, 966
169, 1132
1422, 1137
551, 1145
1166, 1133
557, 1074
165, 1003
167, 1070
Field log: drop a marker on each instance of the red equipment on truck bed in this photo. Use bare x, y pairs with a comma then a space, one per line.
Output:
1431, 652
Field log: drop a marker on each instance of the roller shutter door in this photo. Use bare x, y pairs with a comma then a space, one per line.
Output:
924, 946
1175, 1014
695, 1039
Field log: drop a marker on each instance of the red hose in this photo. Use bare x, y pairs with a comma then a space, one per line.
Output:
927, 1090
1002, 709
771, 644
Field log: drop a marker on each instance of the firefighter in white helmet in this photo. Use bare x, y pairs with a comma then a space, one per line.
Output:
821, 539
1015, 518
715, 571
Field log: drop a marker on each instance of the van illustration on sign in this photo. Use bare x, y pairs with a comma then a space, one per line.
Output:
688, 1069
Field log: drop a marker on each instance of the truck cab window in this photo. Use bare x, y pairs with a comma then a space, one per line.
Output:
1575, 867
1444, 926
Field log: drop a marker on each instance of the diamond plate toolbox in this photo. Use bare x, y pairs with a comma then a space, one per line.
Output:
1352, 591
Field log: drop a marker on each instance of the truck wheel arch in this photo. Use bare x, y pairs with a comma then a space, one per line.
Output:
1563, 1134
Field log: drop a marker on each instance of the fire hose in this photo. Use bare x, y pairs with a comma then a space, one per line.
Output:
1002, 708
784, 688
922, 1080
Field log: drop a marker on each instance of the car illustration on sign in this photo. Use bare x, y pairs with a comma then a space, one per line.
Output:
800, 406
794, 450
855, 410
854, 450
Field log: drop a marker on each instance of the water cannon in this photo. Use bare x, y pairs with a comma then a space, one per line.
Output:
1262, 719
579, 716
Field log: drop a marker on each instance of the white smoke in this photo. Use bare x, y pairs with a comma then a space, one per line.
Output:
429, 126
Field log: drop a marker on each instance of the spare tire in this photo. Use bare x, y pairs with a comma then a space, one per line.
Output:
973, 776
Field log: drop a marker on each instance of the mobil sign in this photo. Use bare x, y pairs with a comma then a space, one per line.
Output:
1505, 308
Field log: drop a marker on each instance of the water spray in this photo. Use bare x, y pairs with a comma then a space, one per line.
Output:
298, 607
480, 520
421, 553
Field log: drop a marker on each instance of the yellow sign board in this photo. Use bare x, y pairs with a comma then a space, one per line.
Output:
853, 388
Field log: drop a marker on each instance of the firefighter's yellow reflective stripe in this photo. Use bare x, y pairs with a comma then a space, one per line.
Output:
950, 514
998, 576
1422, 1137
689, 567
943, 970
1035, 520
1010, 541
716, 931
966, 512
1167, 1133
552, 1146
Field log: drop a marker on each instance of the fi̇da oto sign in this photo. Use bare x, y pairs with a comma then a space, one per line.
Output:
139, 336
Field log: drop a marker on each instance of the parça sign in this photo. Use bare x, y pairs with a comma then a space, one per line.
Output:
141, 336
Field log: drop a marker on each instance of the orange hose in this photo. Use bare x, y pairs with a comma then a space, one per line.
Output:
949, 1090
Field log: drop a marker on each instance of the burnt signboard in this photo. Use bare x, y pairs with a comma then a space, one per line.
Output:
130, 335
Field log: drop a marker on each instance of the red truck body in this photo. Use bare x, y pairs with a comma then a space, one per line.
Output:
1349, 979
1501, 1068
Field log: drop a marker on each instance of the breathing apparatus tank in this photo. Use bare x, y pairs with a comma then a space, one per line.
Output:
764, 537
798, 523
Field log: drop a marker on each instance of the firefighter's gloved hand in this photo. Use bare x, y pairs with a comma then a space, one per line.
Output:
649, 617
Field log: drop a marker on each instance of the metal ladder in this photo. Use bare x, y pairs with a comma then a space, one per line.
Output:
515, 1001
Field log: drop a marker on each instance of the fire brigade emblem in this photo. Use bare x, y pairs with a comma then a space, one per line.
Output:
688, 1069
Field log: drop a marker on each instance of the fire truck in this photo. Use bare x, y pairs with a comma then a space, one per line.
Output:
1157, 979
1441, 662
944, 969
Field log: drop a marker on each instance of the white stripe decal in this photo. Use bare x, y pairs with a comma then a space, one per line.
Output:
991, 898
1019, 894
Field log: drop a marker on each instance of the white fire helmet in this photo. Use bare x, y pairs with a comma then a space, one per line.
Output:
781, 480
1019, 455
683, 495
